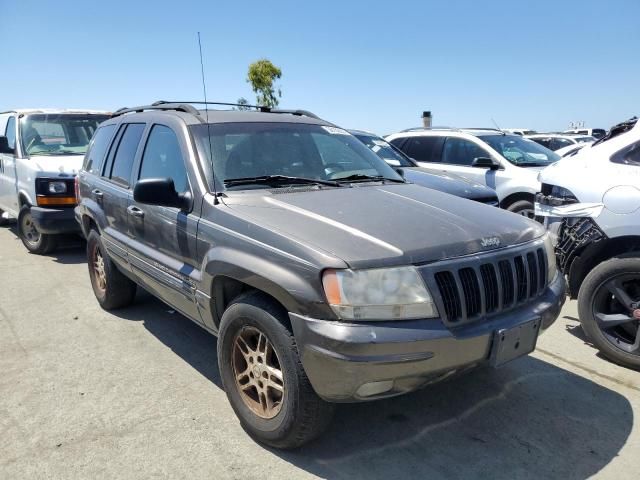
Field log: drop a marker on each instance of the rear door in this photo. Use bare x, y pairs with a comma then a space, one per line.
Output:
8, 191
424, 149
162, 250
113, 190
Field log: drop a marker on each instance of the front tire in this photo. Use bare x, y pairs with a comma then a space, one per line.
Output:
609, 309
34, 240
112, 289
263, 376
524, 208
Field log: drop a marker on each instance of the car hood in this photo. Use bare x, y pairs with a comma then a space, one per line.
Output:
58, 164
448, 183
382, 225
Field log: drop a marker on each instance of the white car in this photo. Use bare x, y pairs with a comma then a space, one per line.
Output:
592, 203
519, 131
571, 150
40, 153
592, 132
556, 141
509, 164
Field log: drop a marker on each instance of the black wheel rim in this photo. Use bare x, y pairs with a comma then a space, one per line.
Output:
616, 309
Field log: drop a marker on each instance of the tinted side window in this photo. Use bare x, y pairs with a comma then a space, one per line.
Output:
628, 156
557, 143
123, 159
98, 149
458, 151
545, 142
423, 149
162, 158
10, 132
397, 142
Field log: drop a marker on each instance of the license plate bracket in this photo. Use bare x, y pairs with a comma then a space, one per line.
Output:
515, 342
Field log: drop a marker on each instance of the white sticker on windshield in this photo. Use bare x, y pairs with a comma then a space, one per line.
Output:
376, 148
380, 143
335, 130
392, 162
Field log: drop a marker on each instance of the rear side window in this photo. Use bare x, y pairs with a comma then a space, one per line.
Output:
545, 142
458, 151
162, 158
126, 153
98, 149
10, 132
424, 149
628, 156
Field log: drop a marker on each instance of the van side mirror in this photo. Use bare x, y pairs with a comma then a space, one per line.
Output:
485, 162
159, 191
4, 146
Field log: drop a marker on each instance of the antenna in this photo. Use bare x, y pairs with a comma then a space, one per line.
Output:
496, 124
206, 109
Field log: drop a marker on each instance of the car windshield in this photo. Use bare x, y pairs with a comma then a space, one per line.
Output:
521, 151
58, 134
384, 150
287, 153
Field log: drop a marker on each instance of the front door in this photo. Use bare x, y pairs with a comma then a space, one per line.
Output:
162, 251
8, 190
457, 157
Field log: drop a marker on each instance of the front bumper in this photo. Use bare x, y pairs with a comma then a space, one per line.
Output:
55, 220
401, 356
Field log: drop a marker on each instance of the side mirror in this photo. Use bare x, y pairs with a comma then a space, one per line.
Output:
4, 146
158, 191
485, 162
399, 171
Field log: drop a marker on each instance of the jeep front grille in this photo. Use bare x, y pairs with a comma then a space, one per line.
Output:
473, 288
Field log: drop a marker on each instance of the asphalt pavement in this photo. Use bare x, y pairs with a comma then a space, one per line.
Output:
87, 394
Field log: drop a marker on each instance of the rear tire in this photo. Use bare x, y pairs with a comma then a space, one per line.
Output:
112, 289
34, 240
284, 411
595, 299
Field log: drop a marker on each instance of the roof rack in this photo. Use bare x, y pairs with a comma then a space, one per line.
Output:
490, 129
187, 107
421, 129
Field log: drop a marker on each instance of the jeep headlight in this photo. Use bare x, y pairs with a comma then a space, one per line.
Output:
57, 187
378, 294
552, 266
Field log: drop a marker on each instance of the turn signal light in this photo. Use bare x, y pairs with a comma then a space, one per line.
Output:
55, 201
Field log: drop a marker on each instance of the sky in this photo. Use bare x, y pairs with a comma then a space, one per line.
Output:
367, 65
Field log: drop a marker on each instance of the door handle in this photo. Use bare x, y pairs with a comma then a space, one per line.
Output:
135, 211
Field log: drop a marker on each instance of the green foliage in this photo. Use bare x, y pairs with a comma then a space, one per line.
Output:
242, 104
261, 76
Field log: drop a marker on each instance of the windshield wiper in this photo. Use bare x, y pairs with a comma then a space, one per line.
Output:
359, 177
278, 180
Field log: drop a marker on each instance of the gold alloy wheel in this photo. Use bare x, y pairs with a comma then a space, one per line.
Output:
98, 270
257, 372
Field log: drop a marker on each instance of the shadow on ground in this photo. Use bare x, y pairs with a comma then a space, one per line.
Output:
71, 249
529, 419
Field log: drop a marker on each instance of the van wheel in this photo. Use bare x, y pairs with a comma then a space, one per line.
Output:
111, 288
263, 376
609, 309
35, 241
524, 208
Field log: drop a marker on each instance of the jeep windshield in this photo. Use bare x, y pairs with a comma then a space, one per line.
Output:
278, 154
521, 151
58, 134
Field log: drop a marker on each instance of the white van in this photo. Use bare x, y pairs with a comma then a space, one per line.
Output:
40, 153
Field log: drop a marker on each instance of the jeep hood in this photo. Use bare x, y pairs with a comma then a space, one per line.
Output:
57, 164
382, 225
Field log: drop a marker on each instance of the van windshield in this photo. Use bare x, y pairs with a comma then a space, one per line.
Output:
58, 134
291, 151
521, 151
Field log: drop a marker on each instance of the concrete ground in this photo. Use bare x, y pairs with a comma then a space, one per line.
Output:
137, 394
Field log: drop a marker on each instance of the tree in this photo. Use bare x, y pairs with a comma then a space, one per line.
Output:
242, 104
261, 76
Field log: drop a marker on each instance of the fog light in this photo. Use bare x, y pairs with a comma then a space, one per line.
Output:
374, 388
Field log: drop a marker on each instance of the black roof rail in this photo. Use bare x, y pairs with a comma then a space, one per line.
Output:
187, 107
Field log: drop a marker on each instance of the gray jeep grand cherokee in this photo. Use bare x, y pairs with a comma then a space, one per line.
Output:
326, 277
